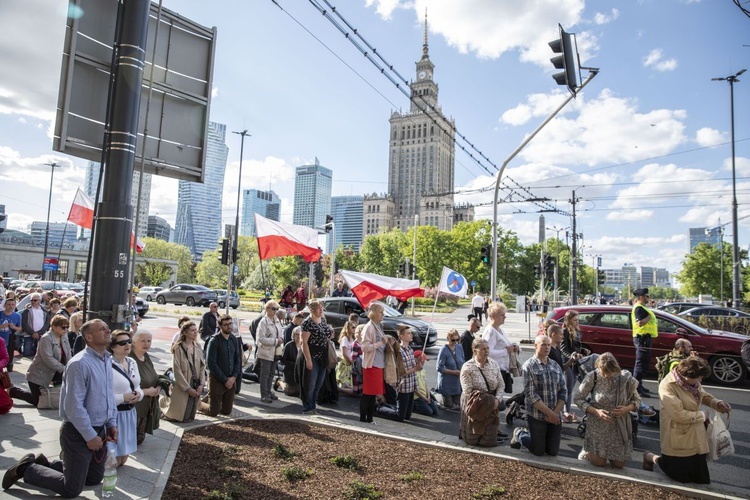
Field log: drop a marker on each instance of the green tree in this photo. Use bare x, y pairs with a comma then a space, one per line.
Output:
160, 249
433, 251
210, 271
286, 271
701, 271
382, 253
153, 273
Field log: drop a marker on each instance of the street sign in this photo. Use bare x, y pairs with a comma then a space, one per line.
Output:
50, 264
473, 283
236, 269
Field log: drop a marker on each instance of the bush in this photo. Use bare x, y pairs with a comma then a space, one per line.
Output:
282, 452
294, 473
346, 462
362, 491
490, 492
414, 475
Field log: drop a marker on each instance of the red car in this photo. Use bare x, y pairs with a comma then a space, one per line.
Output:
608, 329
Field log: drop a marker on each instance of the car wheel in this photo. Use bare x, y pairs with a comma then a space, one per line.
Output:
222, 305
233, 307
727, 369
148, 298
160, 300
142, 314
190, 302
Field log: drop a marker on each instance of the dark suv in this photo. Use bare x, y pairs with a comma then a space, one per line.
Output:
337, 309
608, 328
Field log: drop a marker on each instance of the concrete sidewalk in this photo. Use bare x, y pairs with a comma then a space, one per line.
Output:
29, 430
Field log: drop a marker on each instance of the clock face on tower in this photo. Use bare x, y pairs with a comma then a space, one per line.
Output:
422, 75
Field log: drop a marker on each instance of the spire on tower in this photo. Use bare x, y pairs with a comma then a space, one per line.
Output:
425, 47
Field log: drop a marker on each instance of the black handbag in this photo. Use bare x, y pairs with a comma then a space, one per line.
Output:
508, 381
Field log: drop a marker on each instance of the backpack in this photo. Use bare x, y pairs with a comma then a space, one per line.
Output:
664, 365
746, 352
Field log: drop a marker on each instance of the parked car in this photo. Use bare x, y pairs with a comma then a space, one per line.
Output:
141, 306
61, 289
714, 311
337, 309
187, 294
149, 292
14, 284
678, 307
608, 328
221, 299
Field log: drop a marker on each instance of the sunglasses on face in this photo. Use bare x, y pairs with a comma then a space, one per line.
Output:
63, 326
274, 309
34, 300
123, 343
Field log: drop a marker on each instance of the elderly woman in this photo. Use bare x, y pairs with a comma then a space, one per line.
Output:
482, 385
289, 360
502, 350
75, 339
126, 383
449, 362
189, 370
315, 335
608, 395
53, 352
682, 433
270, 337
147, 409
373, 361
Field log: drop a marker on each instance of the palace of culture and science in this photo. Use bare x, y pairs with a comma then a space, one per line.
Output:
421, 163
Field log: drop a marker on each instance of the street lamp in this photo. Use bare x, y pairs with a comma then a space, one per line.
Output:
236, 235
49, 205
736, 297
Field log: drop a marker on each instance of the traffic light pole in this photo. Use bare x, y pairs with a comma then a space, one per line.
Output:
493, 285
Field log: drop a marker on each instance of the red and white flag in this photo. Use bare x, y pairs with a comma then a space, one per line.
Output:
278, 239
82, 214
82, 210
368, 287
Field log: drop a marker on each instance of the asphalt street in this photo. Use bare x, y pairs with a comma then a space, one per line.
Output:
161, 321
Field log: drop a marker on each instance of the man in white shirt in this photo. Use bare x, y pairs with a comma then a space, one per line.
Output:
477, 304
35, 322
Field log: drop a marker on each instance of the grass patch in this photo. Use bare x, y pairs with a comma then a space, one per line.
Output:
294, 473
359, 490
346, 462
231, 492
414, 475
490, 492
282, 452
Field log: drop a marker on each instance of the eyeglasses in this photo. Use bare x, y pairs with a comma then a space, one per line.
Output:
274, 309
226, 323
64, 326
34, 300
123, 343
454, 339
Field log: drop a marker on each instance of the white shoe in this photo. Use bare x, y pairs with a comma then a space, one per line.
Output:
584, 455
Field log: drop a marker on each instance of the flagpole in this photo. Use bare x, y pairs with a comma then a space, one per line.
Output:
427, 334
59, 252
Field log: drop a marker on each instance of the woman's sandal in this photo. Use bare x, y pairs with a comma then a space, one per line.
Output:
648, 461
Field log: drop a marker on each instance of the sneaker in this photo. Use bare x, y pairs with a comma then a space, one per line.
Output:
515, 441
266, 400
12, 475
273, 396
502, 435
584, 455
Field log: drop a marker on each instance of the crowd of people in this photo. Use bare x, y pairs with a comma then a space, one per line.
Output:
110, 394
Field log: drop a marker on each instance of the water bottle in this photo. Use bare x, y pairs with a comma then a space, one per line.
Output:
110, 474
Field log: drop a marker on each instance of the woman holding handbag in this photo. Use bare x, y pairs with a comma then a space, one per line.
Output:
126, 383
189, 370
270, 337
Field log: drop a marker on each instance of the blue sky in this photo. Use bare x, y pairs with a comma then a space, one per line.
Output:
645, 145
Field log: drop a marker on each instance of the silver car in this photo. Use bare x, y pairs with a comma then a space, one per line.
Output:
190, 295
148, 293
221, 299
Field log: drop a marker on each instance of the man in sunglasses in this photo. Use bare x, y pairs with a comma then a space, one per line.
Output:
34, 321
224, 362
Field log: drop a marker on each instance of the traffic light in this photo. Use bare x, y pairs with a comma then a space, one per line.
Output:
486, 256
537, 271
402, 269
329, 220
567, 61
224, 251
549, 265
2, 218
411, 269
601, 277
234, 255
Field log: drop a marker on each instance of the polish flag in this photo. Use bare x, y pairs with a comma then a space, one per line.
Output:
139, 245
278, 239
82, 210
369, 287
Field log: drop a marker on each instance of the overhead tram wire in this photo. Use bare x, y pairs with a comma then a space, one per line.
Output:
399, 80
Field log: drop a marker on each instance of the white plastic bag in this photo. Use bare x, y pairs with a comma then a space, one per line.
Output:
719, 440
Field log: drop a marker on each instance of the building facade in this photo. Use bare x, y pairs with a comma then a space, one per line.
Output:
255, 201
347, 212
421, 157
378, 214
463, 212
312, 195
159, 228
198, 223
699, 235
58, 232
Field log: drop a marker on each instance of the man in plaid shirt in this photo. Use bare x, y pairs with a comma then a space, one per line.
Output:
545, 394
408, 383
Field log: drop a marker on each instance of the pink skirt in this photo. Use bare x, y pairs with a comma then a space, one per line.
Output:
373, 383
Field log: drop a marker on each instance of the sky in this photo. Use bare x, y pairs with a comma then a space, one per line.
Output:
646, 146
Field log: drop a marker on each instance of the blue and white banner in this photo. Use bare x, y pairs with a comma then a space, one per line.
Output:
453, 283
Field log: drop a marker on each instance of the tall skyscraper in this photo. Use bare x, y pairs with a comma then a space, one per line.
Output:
255, 201
92, 180
57, 230
198, 223
421, 159
159, 228
347, 212
698, 235
312, 195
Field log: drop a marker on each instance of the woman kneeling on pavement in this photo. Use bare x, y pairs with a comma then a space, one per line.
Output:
126, 383
482, 389
608, 395
682, 429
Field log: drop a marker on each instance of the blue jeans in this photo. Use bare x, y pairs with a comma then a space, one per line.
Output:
316, 377
543, 437
422, 407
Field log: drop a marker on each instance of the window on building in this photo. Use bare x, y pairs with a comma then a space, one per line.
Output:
80, 270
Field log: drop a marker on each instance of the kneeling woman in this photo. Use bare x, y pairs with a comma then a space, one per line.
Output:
482, 389
126, 382
682, 433
608, 395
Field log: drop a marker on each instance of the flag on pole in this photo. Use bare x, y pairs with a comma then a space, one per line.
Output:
82, 214
453, 283
279, 239
82, 210
368, 287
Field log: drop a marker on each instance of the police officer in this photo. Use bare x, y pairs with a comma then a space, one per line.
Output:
645, 329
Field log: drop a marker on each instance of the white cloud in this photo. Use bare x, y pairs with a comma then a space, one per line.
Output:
655, 59
386, 7
661, 183
602, 18
707, 137
630, 215
741, 165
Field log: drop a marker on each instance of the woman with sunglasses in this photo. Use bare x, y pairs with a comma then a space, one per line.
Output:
53, 352
270, 341
126, 382
450, 360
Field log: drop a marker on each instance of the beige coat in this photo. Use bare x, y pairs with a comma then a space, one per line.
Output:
369, 345
682, 433
182, 376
